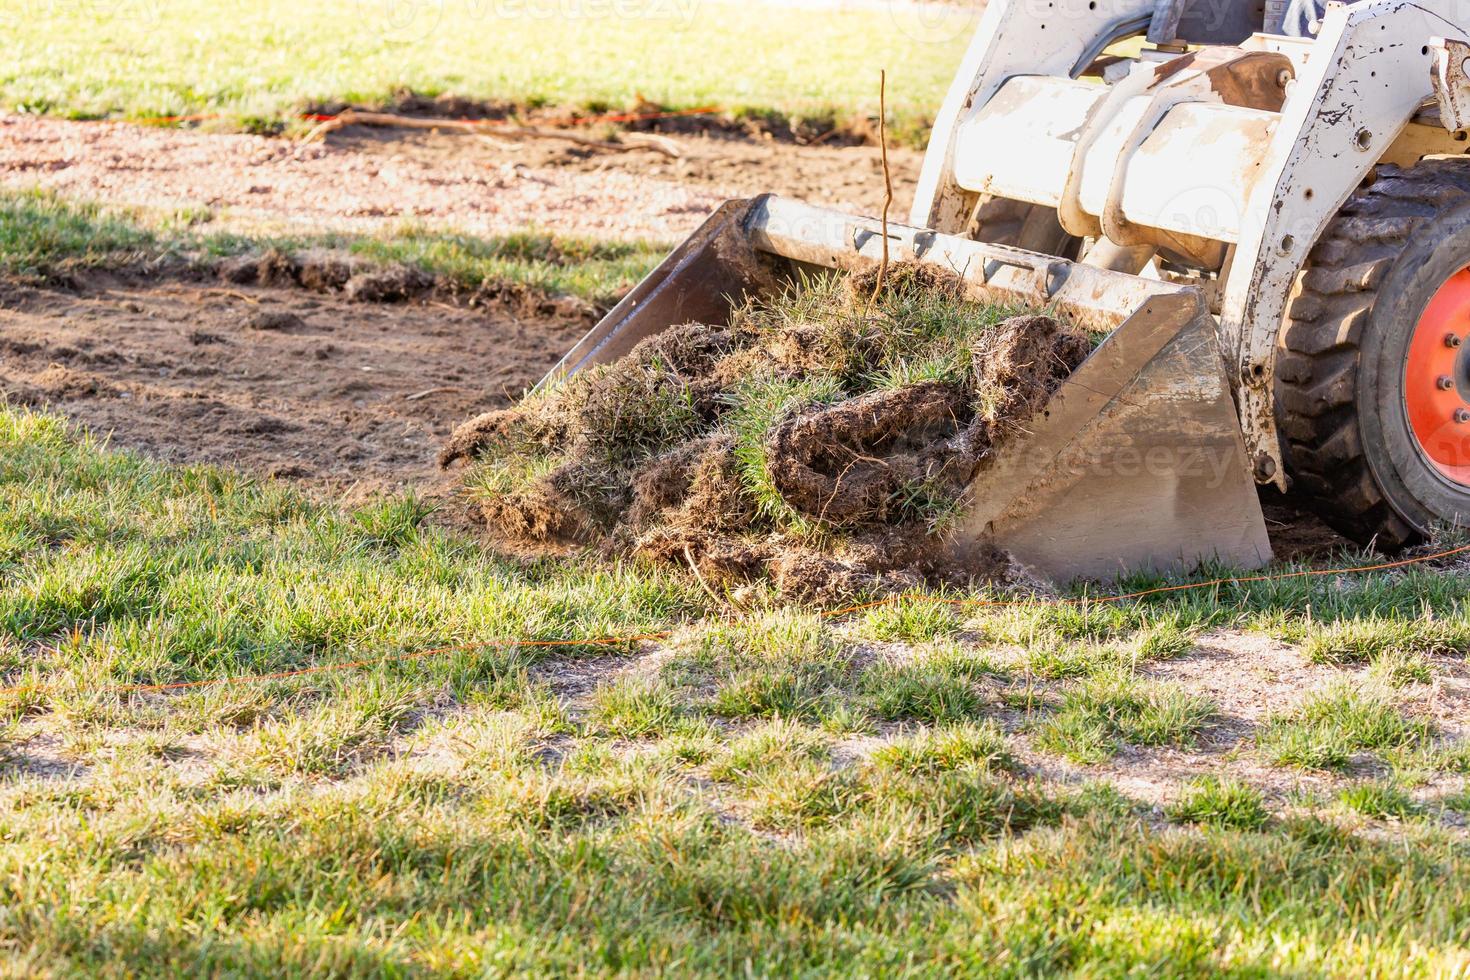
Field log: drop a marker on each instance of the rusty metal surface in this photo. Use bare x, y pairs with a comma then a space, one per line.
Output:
695, 283
1137, 463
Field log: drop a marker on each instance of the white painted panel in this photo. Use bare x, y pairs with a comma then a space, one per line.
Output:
1102, 157
1195, 172
1019, 145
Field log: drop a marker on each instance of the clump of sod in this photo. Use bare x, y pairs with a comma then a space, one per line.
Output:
821, 439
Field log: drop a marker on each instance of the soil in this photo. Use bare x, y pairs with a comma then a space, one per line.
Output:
347, 397
365, 180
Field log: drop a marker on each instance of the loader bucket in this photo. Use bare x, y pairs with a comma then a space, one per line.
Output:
1137, 461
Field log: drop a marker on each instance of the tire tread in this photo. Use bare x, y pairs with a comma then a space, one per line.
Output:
1316, 379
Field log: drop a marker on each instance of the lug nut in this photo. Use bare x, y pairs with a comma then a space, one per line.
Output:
1444, 382
1452, 340
1462, 415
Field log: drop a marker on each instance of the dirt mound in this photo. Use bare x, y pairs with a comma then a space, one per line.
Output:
61, 383
269, 320
362, 281
326, 271
639, 116
821, 440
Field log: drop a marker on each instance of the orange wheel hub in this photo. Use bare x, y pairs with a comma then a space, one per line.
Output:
1437, 380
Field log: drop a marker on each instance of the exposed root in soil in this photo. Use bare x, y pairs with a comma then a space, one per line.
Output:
813, 442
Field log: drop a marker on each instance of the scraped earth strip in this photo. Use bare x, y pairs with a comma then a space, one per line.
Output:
368, 181
280, 381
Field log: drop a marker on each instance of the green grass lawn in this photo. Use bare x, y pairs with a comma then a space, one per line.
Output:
695, 806
269, 59
44, 235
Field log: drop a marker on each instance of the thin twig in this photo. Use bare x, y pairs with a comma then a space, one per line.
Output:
352, 117
499, 143
694, 567
429, 391
887, 180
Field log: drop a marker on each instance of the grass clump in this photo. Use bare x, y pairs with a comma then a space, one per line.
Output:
914, 620
1116, 707
766, 693
1359, 640
784, 445
799, 795
921, 692
636, 708
1398, 668
393, 522
1378, 800
40, 233
771, 746
1217, 802
336, 737
965, 808
1330, 728
784, 664
963, 747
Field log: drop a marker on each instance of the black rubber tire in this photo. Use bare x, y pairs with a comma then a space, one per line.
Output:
1340, 365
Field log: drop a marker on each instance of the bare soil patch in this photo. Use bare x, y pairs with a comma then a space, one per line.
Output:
1250, 677
367, 180
342, 395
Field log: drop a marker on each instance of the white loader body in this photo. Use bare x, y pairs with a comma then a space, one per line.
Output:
1196, 145
1168, 190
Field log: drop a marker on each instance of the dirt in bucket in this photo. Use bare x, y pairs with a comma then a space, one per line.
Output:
820, 441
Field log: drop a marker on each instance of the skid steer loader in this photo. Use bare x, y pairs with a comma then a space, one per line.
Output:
1276, 231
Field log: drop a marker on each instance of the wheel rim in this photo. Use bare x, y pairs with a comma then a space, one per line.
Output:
1437, 381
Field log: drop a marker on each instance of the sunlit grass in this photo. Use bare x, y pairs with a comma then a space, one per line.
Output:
263, 62
523, 809
44, 235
